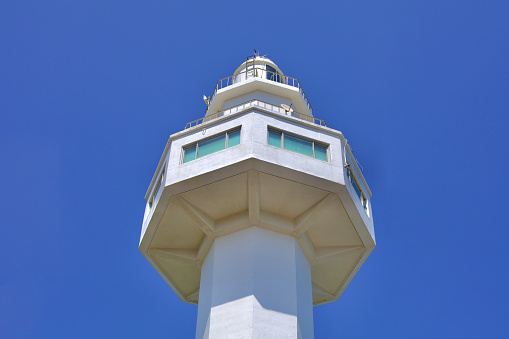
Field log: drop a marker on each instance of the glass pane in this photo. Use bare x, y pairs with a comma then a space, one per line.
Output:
355, 186
275, 139
273, 76
212, 145
298, 145
270, 75
234, 138
190, 154
320, 152
157, 190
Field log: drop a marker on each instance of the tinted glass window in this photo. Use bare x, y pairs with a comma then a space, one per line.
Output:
190, 154
275, 139
320, 152
272, 74
211, 145
298, 145
234, 138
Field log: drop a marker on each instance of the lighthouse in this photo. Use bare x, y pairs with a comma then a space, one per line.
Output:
257, 211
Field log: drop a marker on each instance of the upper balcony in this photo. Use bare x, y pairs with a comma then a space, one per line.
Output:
251, 79
256, 103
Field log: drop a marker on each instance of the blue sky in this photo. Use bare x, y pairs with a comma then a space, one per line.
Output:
91, 90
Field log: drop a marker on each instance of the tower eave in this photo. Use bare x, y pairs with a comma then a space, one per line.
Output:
183, 258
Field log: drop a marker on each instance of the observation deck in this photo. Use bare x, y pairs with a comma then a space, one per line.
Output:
252, 181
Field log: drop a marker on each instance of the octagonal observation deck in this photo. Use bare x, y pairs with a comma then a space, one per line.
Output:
259, 166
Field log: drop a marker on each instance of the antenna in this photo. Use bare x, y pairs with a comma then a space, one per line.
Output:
287, 108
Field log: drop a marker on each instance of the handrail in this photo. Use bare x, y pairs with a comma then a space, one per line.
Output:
259, 103
261, 73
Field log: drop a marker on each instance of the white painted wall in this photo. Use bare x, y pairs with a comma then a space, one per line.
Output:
255, 283
259, 95
254, 144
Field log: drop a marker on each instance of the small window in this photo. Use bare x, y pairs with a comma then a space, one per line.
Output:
155, 192
275, 138
211, 145
158, 188
355, 184
233, 138
297, 144
320, 152
190, 153
358, 190
272, 74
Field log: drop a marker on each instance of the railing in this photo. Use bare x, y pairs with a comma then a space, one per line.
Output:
258, 103
261, 73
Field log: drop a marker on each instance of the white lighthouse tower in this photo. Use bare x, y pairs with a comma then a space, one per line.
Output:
258, 211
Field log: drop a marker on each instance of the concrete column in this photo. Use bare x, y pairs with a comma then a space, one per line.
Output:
255, 283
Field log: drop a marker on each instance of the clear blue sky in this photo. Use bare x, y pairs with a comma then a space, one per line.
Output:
91, 90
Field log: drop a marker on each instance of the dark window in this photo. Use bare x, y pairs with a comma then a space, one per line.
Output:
273, 75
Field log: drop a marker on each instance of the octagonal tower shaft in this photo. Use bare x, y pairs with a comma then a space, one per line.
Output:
255, 283
258, 211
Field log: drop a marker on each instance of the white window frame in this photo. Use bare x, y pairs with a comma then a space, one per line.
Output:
314, 142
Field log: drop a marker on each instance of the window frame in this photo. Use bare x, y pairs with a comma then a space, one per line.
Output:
274, 74
313, 143
156, 188
358, 189
196, 144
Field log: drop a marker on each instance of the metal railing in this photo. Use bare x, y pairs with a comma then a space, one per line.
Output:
258, 103
261, 73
